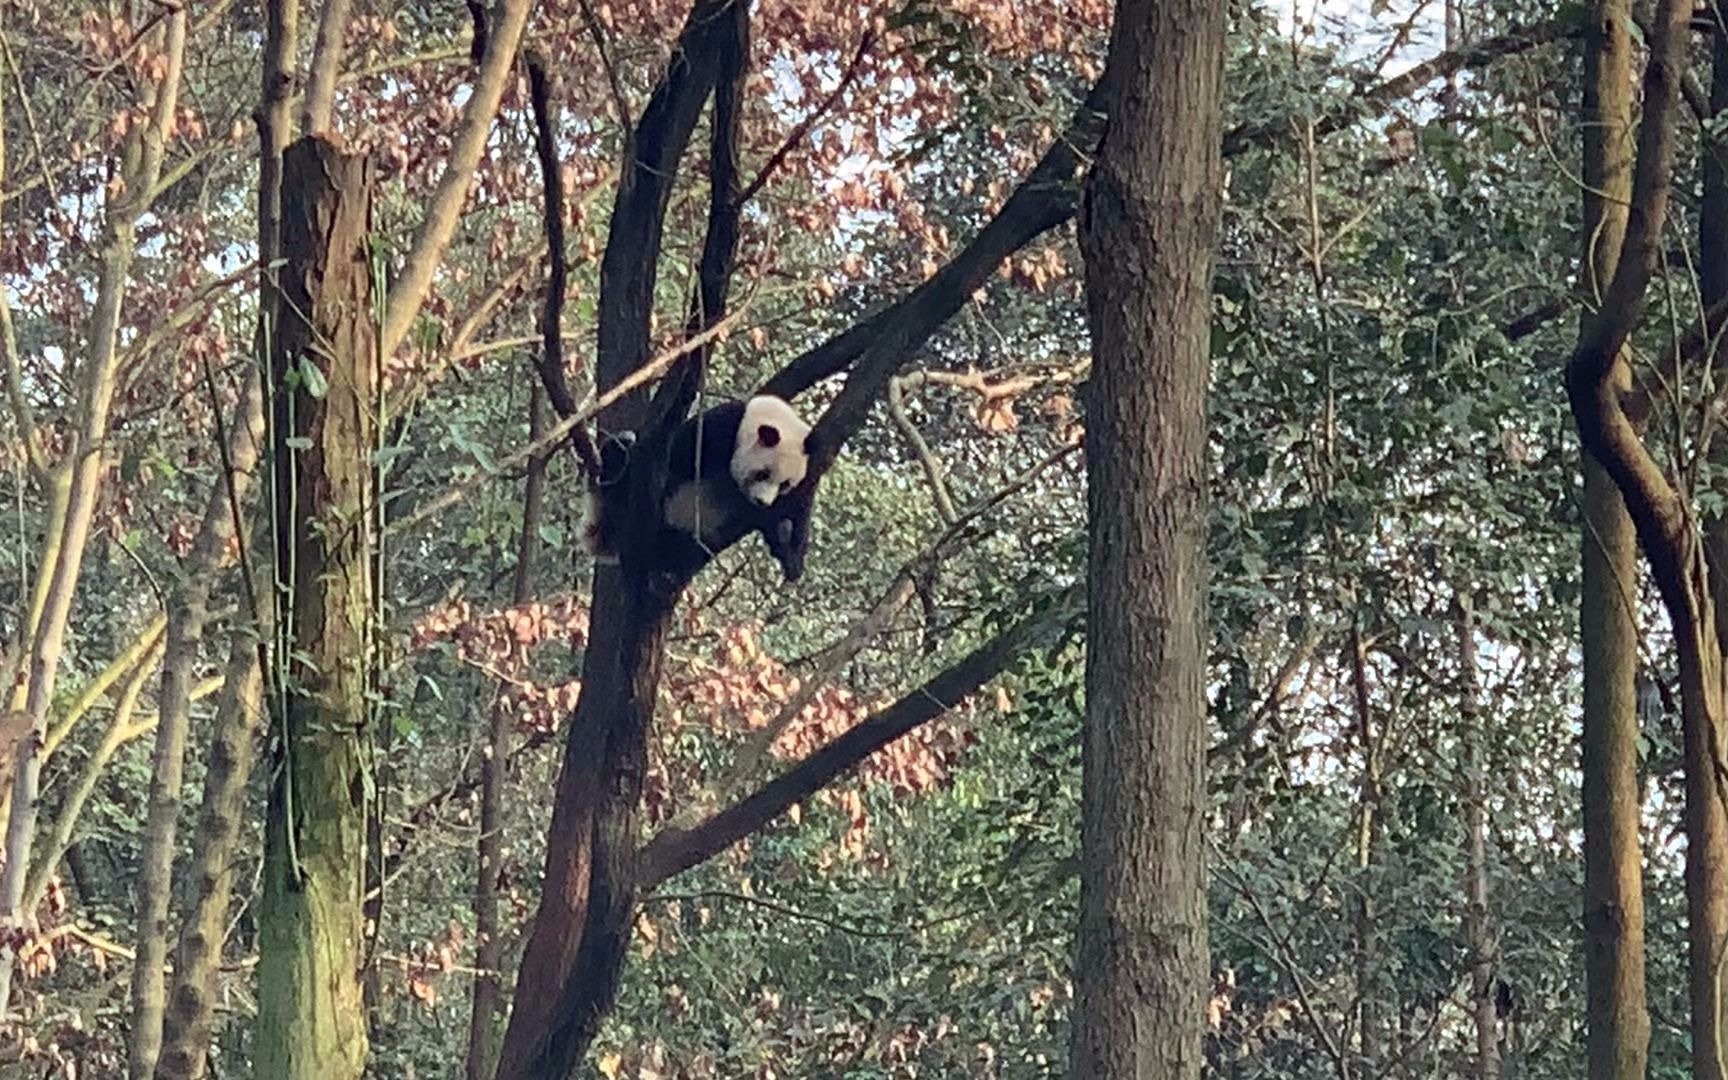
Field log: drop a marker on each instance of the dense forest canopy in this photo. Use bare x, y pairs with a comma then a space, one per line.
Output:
853, 828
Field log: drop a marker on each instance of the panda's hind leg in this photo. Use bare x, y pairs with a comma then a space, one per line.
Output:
597, 527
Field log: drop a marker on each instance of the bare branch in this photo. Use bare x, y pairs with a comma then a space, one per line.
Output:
124, 661
319, 103
469, 145
120, 730
542, 94
620, 104
920, 449
802, 129
674, 851
556, 434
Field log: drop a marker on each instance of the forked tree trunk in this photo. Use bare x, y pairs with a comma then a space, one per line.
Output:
324, 364
1618, 1022
1667, 527
1147, 233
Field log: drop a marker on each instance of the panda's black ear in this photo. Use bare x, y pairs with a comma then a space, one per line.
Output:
768, 435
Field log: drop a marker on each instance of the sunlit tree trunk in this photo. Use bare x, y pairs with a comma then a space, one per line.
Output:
191, 999
1618, 1023
324, 367
1666, 521
1147, 233
85, 465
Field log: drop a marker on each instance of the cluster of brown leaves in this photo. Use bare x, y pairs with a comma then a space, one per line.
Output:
64, 1047
738, 688
501, 643
424, 970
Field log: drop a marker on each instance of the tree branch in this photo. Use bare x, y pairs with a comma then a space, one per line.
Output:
631, 262
541, 95
320, 101
802, 129
1049, 196
445, 210
674, 851
558, 432
1603, 424
675, 396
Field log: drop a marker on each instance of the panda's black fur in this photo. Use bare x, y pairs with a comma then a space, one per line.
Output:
712, 460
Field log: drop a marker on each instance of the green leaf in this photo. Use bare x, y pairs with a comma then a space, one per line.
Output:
315, 383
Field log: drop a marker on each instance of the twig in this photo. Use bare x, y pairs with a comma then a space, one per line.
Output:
778, 909
619, 104
921, 450
648, 372
802, 129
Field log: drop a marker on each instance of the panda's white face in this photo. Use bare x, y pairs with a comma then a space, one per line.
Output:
770, 458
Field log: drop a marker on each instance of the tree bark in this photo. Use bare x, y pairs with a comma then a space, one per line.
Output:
1618, 1021
1147, 234
324, 367
573, 960
1667, 531
191, 1003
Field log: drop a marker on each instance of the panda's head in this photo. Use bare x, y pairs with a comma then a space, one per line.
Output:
771, 457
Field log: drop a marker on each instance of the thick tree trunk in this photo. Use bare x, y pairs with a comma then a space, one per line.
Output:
1618, 1020
1148, 229
574, 956
324, 364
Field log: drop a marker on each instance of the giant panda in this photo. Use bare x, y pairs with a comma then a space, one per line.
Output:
728, 468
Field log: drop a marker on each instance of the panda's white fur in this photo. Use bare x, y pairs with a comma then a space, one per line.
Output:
707, 490
769, 458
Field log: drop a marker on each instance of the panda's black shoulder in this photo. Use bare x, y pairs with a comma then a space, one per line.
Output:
706, 441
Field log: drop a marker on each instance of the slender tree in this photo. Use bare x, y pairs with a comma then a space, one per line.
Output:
488, 927
1618, 1022
1667, 528
1147, 233
76, 483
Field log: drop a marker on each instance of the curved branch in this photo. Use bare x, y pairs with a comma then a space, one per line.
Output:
1607, 432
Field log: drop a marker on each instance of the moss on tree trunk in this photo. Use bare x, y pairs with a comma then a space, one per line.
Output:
311, 1021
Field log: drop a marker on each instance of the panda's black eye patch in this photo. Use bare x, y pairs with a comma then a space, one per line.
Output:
760, 476
785, 486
